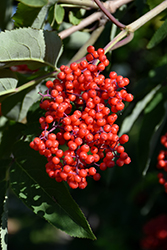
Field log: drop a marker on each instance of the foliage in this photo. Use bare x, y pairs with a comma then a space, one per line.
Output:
34, 43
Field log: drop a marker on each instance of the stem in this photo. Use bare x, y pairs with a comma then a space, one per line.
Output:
111, 44
123, 42
108, 14
88, 20
116, 42
147, 17
28, 84
112, 6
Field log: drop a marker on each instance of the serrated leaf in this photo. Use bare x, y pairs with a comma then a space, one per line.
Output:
34, 3
59, 13
46, 197
25, 11
28, 46
8, 79
158, 36
73, 18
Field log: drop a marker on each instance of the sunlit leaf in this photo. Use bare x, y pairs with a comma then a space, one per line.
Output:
34, 3
73, 18
59, 13
28, 46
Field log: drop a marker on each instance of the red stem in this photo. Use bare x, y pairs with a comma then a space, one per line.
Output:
109, 15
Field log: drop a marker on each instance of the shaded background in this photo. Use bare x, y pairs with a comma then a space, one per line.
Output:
117, 206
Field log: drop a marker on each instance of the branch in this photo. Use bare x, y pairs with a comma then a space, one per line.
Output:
108, 14
88, 20
111, 5
28, 84
129, 30
147, 17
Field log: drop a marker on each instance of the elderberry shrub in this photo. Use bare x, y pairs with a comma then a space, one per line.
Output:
90, 132
162, 162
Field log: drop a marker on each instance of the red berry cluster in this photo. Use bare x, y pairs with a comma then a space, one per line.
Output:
81, 106
156, 234
162, 162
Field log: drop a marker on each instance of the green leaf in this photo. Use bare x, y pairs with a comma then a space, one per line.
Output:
155, 139
140, 106
46, 197
28, 46
8, 79
152, 120
16, 106
38, 3
59, 13
153, 3
23, 11
5, 13
39, 22
73, 18
140, 5
34, 3
12, 130
158, 36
